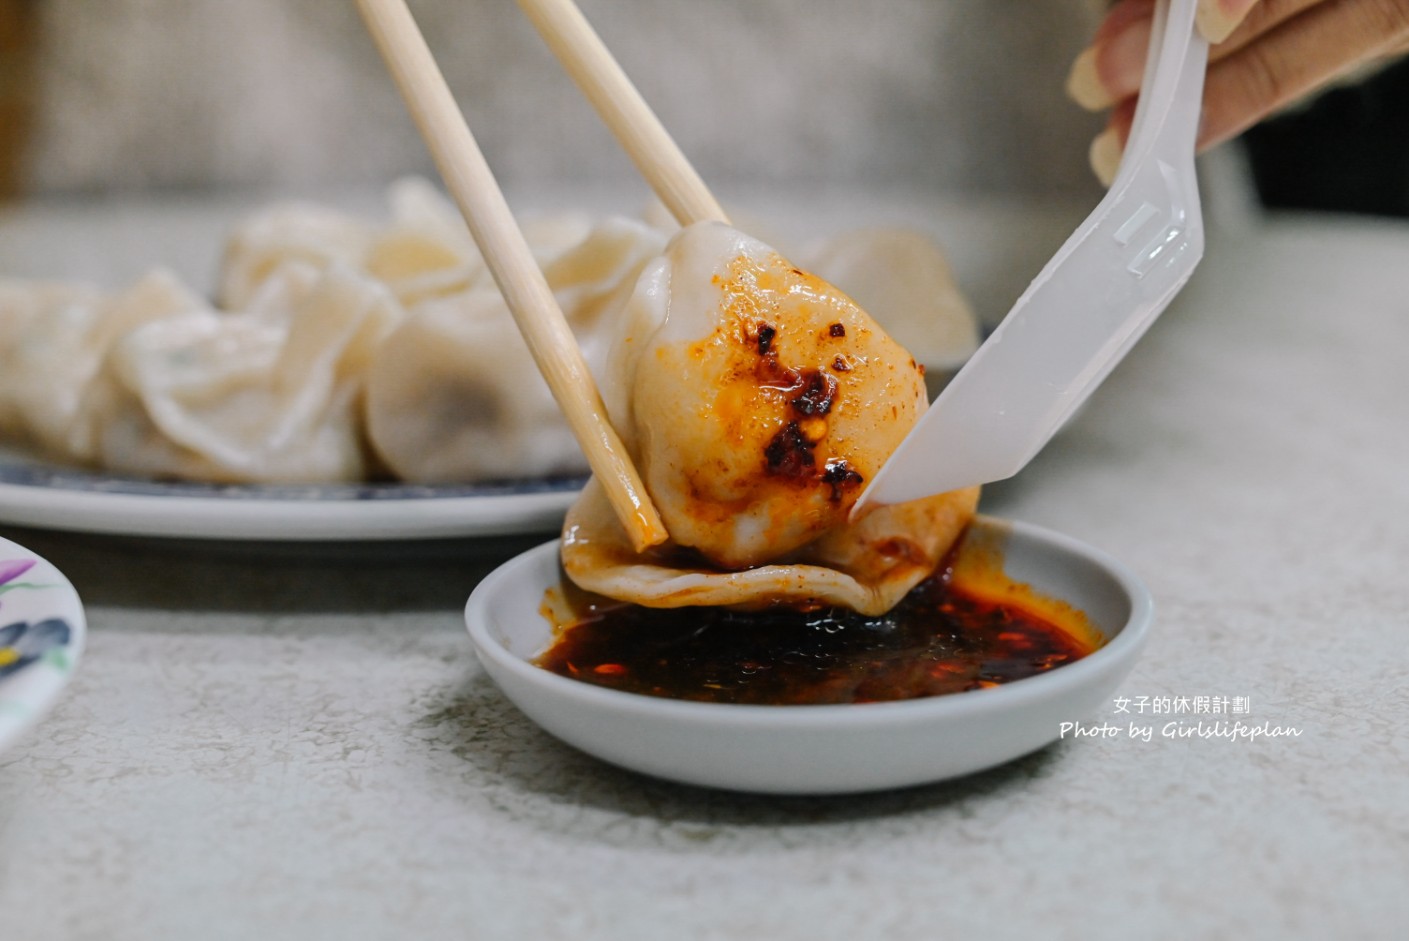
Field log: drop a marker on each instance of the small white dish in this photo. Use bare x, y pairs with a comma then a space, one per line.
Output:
42, 632
832, 748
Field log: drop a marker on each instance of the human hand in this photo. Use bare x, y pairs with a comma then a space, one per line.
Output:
1265, 55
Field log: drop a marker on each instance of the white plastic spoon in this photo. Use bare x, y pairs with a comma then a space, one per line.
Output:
1087, 307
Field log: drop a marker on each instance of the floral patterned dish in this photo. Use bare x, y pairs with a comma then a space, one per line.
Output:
45, 495
42, 631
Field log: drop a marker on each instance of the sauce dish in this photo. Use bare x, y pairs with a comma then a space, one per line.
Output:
822, 749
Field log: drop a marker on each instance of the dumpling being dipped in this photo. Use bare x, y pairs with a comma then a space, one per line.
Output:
757, 400
759, 397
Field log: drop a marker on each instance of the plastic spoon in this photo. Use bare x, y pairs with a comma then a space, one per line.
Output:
1087, 307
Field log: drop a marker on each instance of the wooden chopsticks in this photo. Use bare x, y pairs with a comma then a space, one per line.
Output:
540, 319
591, 66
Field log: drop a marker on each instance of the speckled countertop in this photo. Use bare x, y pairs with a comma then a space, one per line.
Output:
281, 742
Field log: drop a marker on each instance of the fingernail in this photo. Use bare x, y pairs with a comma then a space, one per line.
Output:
1106, 152
1106, 73
1218, 18
1084, 83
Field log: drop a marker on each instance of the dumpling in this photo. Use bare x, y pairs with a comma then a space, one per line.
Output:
756, 400
272, 394
453, 394
58, 352
22, 304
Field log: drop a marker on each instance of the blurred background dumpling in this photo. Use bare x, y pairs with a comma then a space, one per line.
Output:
281, 234
23, 303
55, 354
454, 396
271, 395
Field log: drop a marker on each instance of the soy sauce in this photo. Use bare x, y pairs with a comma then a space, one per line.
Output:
940, 639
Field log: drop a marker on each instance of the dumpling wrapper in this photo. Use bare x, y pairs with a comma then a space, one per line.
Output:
867, 567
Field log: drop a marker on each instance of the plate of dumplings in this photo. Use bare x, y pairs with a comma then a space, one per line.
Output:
353, 379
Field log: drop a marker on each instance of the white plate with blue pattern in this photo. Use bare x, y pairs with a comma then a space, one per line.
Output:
42, 630
48, 496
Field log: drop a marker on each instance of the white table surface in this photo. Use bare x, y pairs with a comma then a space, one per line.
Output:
266, 742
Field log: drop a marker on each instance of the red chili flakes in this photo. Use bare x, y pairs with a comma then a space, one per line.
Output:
766, 333
819, 391
840, 477
837, 330
789, 454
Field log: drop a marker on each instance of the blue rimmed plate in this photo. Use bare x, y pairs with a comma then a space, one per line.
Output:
44, 495
42, 631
